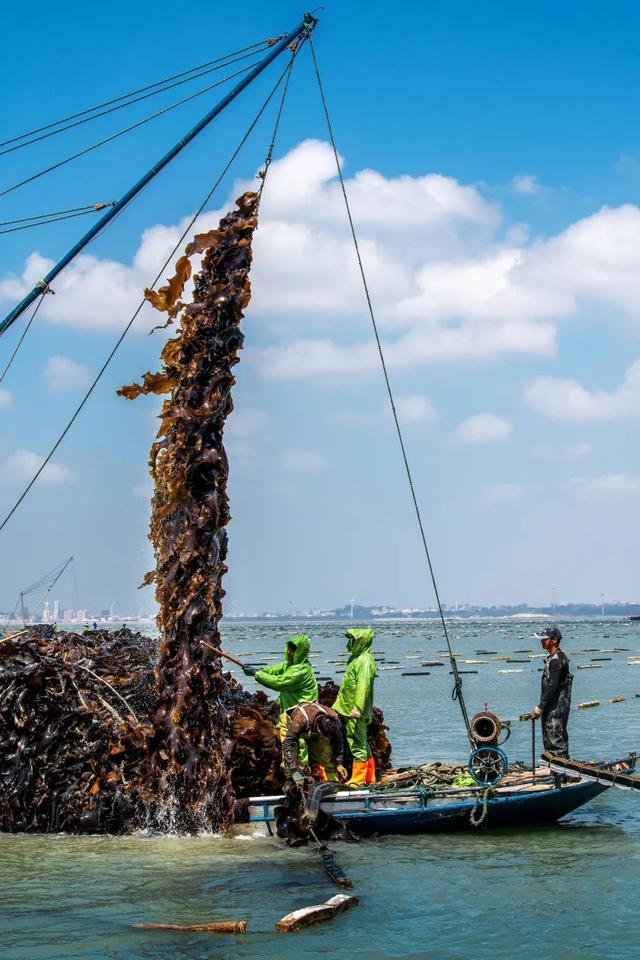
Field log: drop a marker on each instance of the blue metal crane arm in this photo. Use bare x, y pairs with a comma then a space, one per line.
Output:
308, 23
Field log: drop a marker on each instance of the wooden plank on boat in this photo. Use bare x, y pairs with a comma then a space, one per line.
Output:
608, 776
317, 913
217, 926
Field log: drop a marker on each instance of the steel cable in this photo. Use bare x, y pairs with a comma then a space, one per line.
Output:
285, 73
125, 96
120, 133
457, 689
128, 103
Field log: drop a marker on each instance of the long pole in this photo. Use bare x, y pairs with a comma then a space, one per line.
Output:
307, 23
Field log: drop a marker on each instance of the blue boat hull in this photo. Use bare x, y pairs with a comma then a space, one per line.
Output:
512, 811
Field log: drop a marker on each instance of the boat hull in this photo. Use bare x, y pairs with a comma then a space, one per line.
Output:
413, 812
512, 811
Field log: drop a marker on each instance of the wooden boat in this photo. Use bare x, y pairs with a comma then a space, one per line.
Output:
520, 799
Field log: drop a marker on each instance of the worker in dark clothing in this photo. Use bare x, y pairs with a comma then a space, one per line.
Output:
555, 696
320, 729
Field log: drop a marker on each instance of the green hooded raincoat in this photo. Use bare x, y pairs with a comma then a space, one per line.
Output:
356, 690
294, 681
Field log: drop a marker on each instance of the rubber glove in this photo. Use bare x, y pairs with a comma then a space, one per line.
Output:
536, 712
250, 671
355, 713
342, 773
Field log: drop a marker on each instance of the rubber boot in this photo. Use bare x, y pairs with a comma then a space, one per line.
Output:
371, 770
358, 773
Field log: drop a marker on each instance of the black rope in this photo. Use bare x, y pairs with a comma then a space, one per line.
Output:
52, 219
457, 689
120, 133
133, 93
103, 113
23, 335
56, 213
130, 323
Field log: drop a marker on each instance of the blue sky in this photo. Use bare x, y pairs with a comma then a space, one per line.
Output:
492, 153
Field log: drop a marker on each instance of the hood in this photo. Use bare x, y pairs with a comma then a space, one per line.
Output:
302, 645
359, 640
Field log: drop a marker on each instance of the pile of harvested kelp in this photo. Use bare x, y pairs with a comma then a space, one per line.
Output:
77, 736
96, 735
73, 714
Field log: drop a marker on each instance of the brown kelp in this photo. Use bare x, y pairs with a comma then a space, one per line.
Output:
101, 731
190, 510
73, 714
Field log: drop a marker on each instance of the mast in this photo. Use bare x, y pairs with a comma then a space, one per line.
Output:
307, 24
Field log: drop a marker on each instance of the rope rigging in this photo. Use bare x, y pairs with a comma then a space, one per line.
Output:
120, 133
22, 336
27, 223
46, 583
128, 103
457, 689
284, 77
287, 41
132, 93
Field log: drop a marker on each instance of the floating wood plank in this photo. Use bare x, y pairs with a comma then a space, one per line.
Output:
588, 703
517, 670
617, 700
317, 913
590, 666
217, 926
432, 663
415, 673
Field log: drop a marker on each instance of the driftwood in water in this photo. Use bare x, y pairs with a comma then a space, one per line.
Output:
217, 926
316, 913
190, 511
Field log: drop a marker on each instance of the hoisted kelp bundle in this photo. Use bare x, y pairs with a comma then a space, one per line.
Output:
190, 511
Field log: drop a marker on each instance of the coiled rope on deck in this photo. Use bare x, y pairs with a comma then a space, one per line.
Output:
457, 688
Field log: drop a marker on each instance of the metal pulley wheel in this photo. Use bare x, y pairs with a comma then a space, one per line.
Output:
488, 765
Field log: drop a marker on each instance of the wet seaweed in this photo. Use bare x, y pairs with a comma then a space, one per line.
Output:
102, 732
194, 732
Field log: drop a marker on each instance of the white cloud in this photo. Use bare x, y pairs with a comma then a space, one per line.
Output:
6, 400
246, 422
610, 486
450, 280
302, 461
503, 493
484, 428
413, 408
21, 465
526, 183
143, 490
62, 373
579, 450
559, 399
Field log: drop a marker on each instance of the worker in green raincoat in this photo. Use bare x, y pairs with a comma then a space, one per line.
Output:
294, 680
355, 703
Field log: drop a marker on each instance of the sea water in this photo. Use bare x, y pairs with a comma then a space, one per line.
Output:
566, 891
